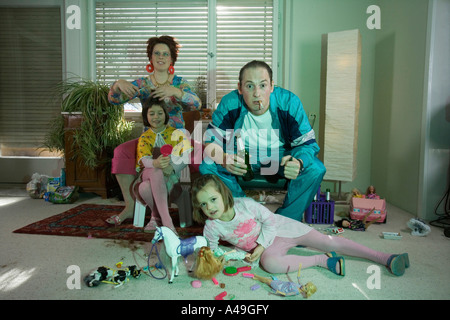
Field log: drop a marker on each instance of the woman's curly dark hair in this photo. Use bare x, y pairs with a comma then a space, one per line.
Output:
167, 40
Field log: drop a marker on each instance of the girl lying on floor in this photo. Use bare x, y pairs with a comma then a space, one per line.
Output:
251, 227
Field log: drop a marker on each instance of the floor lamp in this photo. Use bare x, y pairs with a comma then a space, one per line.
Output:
339, 104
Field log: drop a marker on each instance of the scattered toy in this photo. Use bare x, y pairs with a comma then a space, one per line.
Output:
418, 227
106, 275
176, 247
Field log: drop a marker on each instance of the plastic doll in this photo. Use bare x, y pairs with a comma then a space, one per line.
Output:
207, 264
288, 288
371, 193
356, 225
356, 193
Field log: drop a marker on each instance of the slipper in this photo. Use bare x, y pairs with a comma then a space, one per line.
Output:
331, 264
397, 263
331, 254
406, 258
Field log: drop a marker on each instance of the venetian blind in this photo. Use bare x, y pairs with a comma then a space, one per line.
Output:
244, 33
31, 67
122, 31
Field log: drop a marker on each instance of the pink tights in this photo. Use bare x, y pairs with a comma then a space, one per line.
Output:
153, 191
276, 260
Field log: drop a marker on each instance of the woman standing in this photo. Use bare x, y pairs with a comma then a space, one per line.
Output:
163, 84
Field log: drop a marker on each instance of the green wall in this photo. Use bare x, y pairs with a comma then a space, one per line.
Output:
392, 85
398, 101
309, 20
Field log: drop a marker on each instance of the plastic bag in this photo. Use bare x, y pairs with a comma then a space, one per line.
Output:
68, 194
37, 187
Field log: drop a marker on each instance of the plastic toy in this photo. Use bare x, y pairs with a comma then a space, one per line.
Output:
176, 247
371, 193
196, 284
166, 150
107, 275
392, 235
207, 265
220, 296
231, 255
359, 207
357, 225
288, 288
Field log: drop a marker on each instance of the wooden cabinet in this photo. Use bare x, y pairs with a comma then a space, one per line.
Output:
99, 180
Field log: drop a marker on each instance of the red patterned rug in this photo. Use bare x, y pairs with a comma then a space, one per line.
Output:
88, 220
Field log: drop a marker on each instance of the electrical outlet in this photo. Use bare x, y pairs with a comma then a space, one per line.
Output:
312, 118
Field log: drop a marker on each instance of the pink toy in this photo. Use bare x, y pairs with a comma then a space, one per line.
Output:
220, 296
196, 283
242, 269
215, 281
360, 207
248, 275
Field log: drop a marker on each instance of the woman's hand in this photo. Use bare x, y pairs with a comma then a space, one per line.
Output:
126, 87
257, 252
162, 162
166, 92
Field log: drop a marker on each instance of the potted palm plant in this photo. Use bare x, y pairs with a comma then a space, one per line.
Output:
87, 131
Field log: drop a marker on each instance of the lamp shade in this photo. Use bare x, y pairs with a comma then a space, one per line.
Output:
341, 74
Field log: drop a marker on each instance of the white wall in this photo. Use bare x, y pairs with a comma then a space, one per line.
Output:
435, 147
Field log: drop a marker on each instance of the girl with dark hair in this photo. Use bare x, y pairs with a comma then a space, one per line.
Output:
159, 170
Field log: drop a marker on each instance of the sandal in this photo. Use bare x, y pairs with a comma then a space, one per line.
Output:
151, 225
115, 220
333, 259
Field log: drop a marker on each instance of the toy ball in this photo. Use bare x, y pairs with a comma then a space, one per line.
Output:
196, 283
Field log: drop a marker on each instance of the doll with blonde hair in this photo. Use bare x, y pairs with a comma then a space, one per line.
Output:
207, 264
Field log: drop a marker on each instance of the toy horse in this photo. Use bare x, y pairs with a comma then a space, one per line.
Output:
176, 247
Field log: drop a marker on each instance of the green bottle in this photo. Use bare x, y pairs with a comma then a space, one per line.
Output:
243, 153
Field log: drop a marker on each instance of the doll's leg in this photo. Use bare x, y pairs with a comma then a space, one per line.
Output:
367, 224
262, 279
367, 215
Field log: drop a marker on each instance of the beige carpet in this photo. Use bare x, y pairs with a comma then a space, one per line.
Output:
40, 266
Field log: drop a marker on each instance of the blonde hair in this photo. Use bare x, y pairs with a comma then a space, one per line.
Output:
220, 187
207, 265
